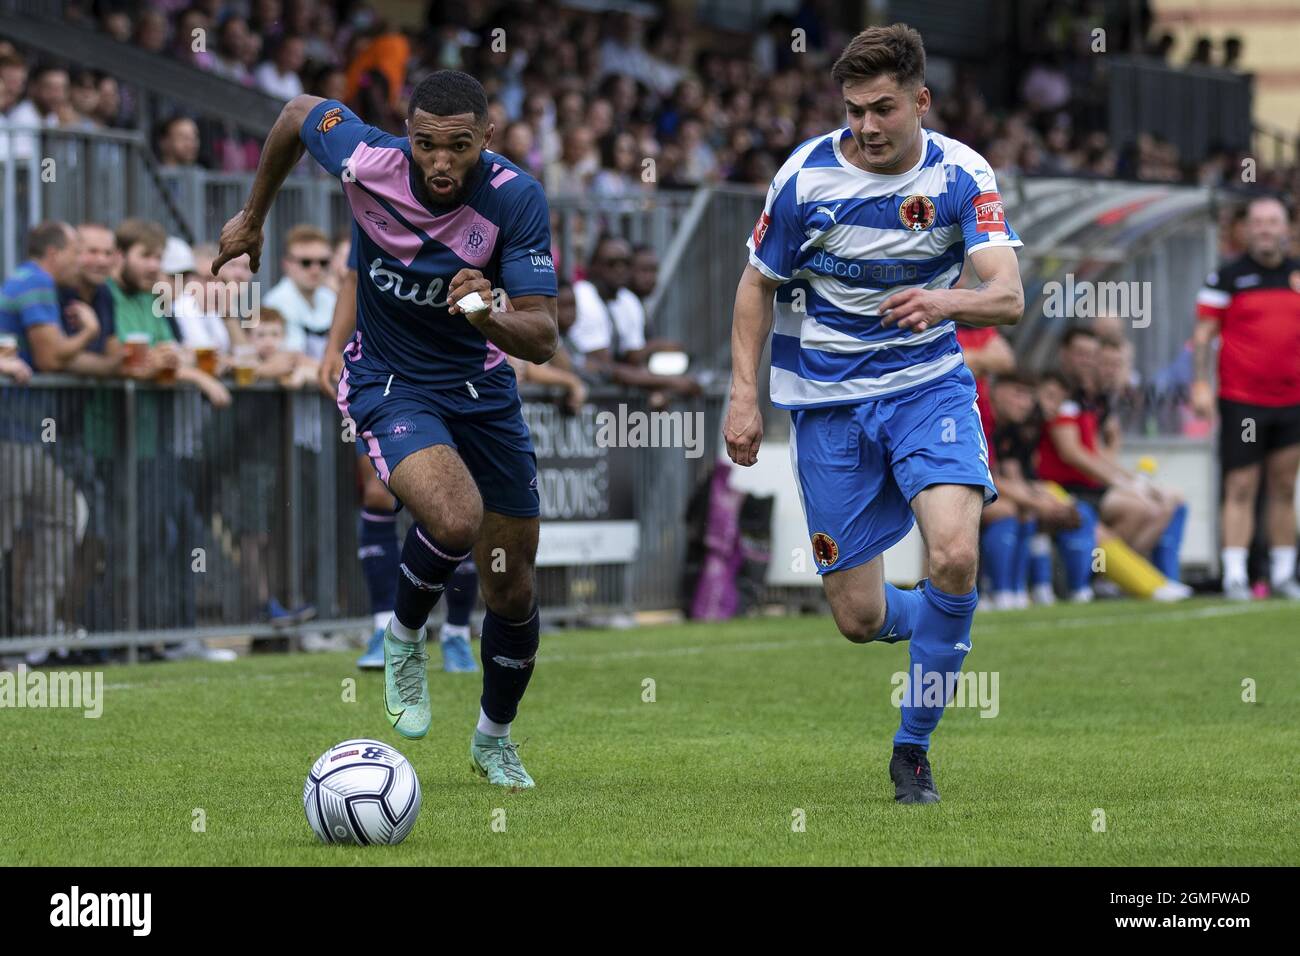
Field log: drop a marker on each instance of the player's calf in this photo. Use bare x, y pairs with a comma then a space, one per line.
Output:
866, 609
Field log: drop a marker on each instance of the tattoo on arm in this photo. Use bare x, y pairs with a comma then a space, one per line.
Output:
1202, 359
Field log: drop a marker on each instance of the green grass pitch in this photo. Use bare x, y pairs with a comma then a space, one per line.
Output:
1131, 709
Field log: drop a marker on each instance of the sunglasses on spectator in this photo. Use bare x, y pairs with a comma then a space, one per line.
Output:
308, 263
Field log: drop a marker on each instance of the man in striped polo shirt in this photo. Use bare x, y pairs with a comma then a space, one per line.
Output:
29, 300
861, 243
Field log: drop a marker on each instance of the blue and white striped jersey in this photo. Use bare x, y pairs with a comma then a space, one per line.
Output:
842, 240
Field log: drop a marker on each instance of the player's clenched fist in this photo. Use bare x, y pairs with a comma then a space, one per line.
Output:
743, 431
913, 310
462, 284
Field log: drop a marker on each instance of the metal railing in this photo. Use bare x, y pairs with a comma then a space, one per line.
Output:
1159, 235
78, 176
134, 514
207, 199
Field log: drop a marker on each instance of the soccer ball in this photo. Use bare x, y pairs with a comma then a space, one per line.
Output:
362, 791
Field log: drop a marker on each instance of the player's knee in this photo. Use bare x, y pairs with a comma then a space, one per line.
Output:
954, 560
1282, 489
460, 531
860, 624
455, 521
1240, 490
509, 595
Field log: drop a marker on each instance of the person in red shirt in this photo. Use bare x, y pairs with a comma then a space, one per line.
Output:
987, 354
1070, 454
1252, 305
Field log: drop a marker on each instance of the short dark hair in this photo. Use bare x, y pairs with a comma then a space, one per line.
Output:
601, 240
450, 93
47, 235
896, 50
1268, 197
1077, 332
1056, 376
164, 128
1015, 376
47, 68
140, 232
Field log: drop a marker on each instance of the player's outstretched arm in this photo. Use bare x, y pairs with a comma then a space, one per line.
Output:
527, 329
280, 153
751, 322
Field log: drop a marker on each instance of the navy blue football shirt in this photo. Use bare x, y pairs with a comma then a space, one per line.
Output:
406, 253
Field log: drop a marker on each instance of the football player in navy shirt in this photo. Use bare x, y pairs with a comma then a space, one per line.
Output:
438, 217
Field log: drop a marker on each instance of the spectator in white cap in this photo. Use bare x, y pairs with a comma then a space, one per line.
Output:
197, 326
302, 296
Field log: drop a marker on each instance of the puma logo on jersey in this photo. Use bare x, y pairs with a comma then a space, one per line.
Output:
830, 213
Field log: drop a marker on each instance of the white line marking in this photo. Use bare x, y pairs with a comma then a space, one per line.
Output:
985, 627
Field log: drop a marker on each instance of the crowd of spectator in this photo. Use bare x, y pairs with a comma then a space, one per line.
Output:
1053, 442
610, 104
132, 302
607, 105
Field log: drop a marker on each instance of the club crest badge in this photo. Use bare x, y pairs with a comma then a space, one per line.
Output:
825, 550
331, 119
916, 213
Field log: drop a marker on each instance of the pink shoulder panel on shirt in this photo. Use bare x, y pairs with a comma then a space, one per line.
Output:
384, 171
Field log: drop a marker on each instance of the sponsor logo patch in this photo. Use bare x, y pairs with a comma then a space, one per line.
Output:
825, 549
989, 216
760, 229
332, 118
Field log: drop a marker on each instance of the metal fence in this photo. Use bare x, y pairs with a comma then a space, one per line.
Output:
107, 176
1159, 235
78, 176
135, 514
207, 199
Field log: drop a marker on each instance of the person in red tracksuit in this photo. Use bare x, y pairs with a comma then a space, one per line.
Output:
1252, 305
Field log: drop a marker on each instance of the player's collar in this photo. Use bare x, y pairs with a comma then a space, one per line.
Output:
838, 136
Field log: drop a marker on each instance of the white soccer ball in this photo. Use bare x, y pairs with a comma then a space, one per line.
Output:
362, 791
